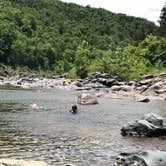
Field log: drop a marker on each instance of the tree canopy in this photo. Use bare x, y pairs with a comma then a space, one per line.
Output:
163, 21
51, 35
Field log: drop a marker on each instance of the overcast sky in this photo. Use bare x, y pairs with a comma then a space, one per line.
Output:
149, 9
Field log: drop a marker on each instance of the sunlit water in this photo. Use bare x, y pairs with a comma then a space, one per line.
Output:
52, 134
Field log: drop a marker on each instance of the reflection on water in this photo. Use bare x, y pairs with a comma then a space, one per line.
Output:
52, 134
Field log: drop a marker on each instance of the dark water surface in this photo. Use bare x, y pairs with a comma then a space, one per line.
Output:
52, 134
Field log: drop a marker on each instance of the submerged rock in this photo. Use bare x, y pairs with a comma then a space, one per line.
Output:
145, 158
12, 162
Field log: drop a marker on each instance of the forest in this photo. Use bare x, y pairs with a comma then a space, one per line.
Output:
51, 37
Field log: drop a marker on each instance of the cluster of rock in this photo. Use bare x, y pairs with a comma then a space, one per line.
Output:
150, 125
144, 158
151, 87
98, 80
32, 81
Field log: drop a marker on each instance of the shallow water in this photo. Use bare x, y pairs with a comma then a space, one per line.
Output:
52, 134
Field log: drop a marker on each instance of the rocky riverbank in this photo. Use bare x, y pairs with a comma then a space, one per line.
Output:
150, 87
105, 85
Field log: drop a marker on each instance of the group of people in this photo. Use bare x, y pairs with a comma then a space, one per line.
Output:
73, 110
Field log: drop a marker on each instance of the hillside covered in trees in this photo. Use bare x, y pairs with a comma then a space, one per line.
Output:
57, 37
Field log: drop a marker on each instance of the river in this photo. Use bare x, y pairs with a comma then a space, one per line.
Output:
52, 134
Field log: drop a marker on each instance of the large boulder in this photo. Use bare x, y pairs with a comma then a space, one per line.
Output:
162, 74
145, 158
87, 99
145, 82
154, 119
161, 91
156, 86
137, 128
150, 125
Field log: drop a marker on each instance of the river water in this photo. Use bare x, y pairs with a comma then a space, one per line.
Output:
52, 134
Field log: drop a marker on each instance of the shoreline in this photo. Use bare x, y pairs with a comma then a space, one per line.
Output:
103, 85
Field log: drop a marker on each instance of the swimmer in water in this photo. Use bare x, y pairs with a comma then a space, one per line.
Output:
33, 106
74, 109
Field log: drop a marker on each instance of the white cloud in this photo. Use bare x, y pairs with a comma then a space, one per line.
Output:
149, 9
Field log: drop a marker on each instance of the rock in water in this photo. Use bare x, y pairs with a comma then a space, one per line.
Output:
150, 125
137, 128
145, 158
154, 119
87, 99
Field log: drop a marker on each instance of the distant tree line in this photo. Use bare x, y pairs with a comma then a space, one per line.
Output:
49, 35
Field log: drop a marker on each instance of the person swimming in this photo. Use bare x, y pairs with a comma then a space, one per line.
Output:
74, 109
33, 106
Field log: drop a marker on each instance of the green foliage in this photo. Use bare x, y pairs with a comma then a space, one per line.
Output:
153, 49
102, 63
124, 62
82, 60
72, 73
52, 37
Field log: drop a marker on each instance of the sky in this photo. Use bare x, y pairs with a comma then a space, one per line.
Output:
149, 9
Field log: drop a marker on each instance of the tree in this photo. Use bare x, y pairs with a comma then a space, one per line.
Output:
162, 28
82, 60
153, 49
